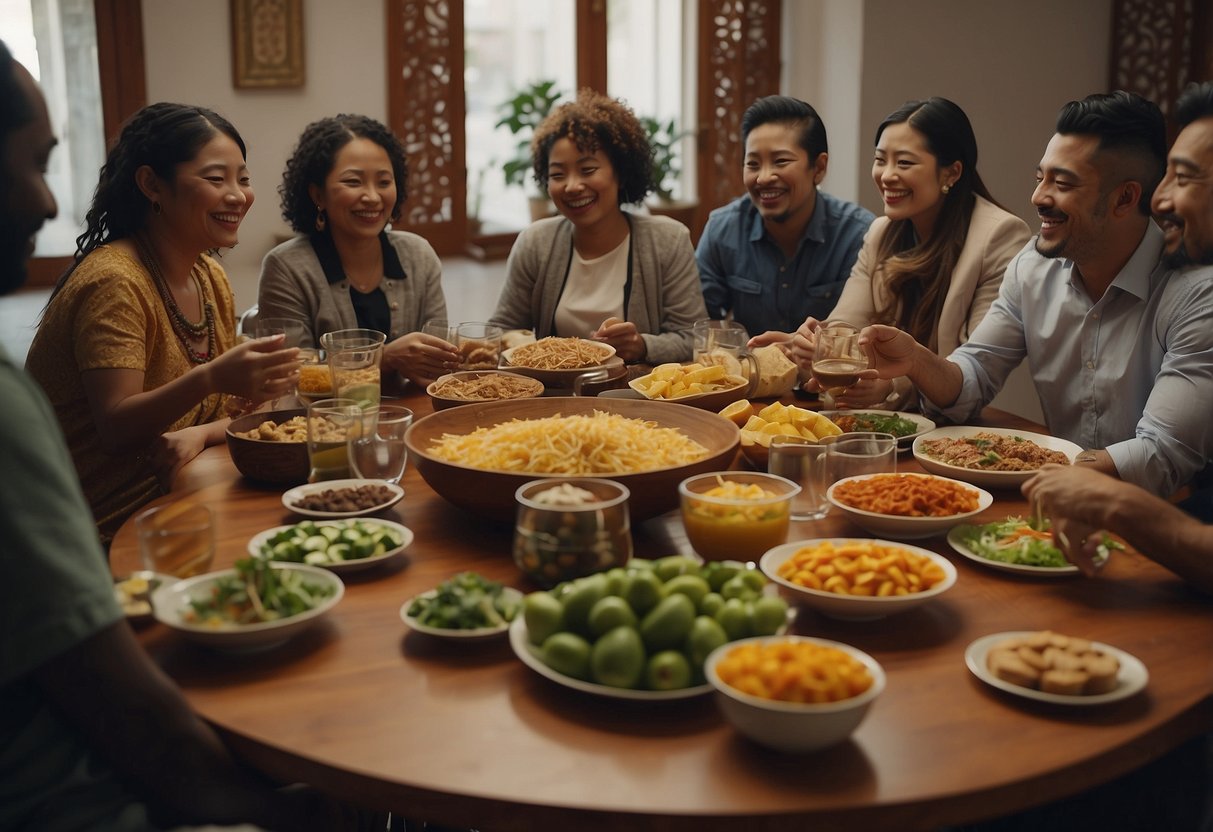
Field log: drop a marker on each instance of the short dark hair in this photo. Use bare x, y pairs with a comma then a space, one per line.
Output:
16, 110
1124, 122
1195, 102
315, 155
782, 109
596, 122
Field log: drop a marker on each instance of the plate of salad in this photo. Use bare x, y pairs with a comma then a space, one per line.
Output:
467, 606
1014, 545
905, 426
257, 605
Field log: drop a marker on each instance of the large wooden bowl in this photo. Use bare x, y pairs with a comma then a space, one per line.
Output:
285, 463
491, 493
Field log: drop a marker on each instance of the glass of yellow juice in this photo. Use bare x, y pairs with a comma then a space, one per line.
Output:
355, 357
330, 425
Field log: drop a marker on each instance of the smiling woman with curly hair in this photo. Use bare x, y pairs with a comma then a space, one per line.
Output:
625, 279
343, 184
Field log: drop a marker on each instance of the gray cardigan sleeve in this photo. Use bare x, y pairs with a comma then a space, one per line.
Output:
678, 292
287, 291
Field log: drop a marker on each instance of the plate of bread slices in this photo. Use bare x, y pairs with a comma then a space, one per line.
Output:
1055, 668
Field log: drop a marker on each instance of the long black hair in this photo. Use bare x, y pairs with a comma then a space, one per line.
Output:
161, 136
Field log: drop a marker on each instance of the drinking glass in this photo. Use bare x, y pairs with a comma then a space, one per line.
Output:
855, 454
803, 462
331, 423
479, 345
355, 356
378, 451
177, 539
294, 332
837, 358
315, 378
566, 528
440, 328
710, 335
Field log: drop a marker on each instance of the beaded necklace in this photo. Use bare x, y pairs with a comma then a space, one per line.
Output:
186, 329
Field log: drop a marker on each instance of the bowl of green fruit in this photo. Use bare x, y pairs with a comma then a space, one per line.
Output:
644, 631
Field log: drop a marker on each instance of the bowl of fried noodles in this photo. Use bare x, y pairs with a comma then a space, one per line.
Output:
558, 362
477, 457
470, 386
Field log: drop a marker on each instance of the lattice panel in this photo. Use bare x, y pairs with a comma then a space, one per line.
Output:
740, 62
1151, 45
427, 86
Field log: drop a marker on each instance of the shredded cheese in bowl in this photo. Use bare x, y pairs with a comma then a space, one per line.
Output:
596, 443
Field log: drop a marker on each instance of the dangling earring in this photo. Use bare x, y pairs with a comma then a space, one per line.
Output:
946, 188
156, 209
321, 219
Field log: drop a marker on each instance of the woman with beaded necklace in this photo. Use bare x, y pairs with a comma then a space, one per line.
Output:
137, 346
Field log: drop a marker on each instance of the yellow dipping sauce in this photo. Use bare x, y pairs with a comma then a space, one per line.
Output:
735, 530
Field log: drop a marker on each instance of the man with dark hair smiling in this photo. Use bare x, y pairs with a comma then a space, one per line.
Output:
1117, 341
781, 253
92, 735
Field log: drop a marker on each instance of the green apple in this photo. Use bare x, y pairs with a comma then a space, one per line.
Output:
567, 653
667, 670
618, 658
667, 624
543, 615
608, 613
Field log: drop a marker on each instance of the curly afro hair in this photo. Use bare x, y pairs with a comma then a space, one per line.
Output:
596, 122
315, 156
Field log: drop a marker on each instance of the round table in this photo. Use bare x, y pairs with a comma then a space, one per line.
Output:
465, 734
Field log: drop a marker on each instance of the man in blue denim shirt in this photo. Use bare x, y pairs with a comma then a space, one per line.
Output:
782, 252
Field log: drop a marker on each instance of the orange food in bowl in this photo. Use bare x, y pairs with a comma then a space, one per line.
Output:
861, 568
794, 671
908, 495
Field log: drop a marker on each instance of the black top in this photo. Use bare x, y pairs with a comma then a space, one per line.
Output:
370, 309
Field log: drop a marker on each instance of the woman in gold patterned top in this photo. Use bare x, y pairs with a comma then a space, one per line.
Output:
137, 348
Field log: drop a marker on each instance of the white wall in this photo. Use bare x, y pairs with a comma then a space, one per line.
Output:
189, 59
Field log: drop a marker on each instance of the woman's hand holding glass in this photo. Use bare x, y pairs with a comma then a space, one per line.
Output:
257, 370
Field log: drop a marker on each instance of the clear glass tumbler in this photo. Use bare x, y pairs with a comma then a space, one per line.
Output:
177, 539
378, 451
803, 462
855, 454
331, 423
355, 356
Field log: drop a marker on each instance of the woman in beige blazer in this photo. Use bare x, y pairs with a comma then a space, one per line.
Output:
933, 264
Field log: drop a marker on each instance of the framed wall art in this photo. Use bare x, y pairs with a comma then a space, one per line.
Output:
267, 43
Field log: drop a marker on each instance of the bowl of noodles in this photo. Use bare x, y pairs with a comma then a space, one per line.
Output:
907, 506
471, 386
558, 362
990, 457
477, 457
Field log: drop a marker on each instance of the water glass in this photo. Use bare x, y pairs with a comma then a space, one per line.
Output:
855, 454
177, 539
294, 334
440, 328
711, 335
331, 423
378, 451
479, 345
804, 462
355, 356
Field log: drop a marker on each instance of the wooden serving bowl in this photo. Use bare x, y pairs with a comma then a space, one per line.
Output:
285, 463
491, 493
565, 379
443, 402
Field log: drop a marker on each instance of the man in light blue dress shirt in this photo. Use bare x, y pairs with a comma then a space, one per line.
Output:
782, 252
1117, 340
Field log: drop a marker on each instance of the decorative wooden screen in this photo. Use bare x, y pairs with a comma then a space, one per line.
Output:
425, 107
738, 62
1159, 46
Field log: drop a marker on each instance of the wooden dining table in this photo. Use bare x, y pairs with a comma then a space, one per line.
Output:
465, 734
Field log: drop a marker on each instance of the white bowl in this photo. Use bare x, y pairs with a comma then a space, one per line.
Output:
793, 726
987, 479
477, 634
852, 607
293, 495
355, 565
906, 528
171, 601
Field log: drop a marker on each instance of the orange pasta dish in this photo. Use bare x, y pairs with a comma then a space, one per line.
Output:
908, 495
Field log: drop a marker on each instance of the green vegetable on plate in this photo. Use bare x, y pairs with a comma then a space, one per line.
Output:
467, 601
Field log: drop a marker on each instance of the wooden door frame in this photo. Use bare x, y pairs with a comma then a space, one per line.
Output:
120, 67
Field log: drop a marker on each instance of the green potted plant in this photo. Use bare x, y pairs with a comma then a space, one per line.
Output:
665, 138
521, 114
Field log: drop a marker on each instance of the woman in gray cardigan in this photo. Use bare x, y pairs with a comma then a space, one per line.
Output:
624, 279
343, 184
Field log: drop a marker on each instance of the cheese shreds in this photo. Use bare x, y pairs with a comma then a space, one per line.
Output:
597, 443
